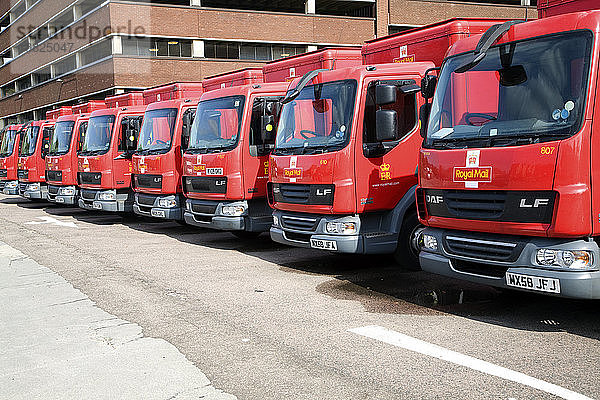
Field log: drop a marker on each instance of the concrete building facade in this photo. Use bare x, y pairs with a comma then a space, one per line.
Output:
60, 52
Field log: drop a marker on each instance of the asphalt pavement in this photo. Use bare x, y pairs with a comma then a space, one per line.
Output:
258, 320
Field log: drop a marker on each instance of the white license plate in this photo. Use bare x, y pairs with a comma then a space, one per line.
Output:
157, 213
60, 200
97, 205
323, 244
537, 283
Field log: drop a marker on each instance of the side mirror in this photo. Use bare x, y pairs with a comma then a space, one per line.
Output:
267, 127
386, 125
424, 117
385, 94
428, 84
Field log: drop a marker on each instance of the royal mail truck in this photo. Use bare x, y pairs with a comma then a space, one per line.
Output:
61, 160
510, 165
157, 162
343, 172
104, 160
9, 153
226, 161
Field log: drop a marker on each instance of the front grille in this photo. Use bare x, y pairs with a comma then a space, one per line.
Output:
22, 187
23, 174
299, 223
147, 181
54, 176
487, 204
88, 194
145, 199
53, 189
3, 173
2, 184
492, 250
89, 178
204, 208
205, 184
495, 271
295, 193
297, 237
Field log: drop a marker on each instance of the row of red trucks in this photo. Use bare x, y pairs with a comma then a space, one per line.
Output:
465, 145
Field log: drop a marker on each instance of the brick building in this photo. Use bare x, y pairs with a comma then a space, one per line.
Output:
60, 52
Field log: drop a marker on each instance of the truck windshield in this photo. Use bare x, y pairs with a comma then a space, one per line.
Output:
217, 125
318, 120
98, 135
8, 143
522, 92
60, 138
157, 130
29, 141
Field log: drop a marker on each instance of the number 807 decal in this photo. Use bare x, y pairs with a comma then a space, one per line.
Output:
547, 150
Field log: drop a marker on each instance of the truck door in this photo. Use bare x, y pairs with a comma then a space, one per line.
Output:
386, 155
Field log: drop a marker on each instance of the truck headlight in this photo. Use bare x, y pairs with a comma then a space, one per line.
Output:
344, 228
107, 196
33, 187
11, 184
167, 203
233, 210
572, 259
275, 220
66, 191
429, 242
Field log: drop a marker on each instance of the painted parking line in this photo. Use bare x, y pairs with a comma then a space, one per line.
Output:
53, 221
409, 343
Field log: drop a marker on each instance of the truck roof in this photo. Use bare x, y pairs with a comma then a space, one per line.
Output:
88, 107
125, 100
177, 103
240, 77
271, 87
289, 68
427, 43
57, 112
549, 8
173, 91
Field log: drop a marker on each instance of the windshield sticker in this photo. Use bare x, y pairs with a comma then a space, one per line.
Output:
569, 106
472, 173
442, 133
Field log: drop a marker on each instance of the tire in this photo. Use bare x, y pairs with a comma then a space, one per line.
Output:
407, 252
246, 235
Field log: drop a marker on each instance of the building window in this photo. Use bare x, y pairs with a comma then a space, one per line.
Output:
96, 52
157, 47
250, 51
41, 76
21, 47
8, 90
65, 66
24, 83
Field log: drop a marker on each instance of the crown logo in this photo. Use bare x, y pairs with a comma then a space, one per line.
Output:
385, 167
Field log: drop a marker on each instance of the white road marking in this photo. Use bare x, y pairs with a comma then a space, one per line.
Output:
407, 342
50, 220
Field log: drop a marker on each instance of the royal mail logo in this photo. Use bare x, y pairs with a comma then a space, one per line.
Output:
472, 173
406, 59
292, 173
198, 169
85, 165
142, 168
384, 172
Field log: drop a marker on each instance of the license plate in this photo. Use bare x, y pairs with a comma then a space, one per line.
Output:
323, 244
60, 200
157, 213
536, 283
97, 205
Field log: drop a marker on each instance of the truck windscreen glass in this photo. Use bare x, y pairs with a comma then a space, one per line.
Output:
29, 141
98, 135
318, 120
217, 125
60, 139
522, 92
8, 143
157, 130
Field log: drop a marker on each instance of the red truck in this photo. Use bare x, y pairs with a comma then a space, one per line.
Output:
61, 160
8, 159
104, 161
343, 172
226, 160
508, 165
157, 162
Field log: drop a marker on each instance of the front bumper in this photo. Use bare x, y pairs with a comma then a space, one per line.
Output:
10, 187
149, 206
208, 214
55, 195
581, 284
90, 199
39, 193
308, 230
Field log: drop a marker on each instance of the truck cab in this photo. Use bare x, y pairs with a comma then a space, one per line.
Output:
510, 160
104, 160
61, 160
157, 162
226, 160
9, 152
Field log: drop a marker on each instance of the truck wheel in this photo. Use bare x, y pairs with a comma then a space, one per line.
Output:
407, 252
246, 235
